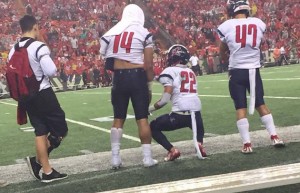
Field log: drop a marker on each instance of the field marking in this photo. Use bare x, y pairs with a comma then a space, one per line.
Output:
111, 118
213, 96
225, 183
227, 96
11, 104
87, 125
281, 71
101, 129
264, 79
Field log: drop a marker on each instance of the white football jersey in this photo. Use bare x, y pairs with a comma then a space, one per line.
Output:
184, 83
243, 37
128, 46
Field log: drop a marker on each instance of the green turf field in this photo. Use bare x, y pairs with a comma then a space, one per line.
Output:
282, 95
218, 114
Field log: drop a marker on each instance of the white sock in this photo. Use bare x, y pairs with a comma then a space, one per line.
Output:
147, 151
115, 138
49, 172
243, 126
268, 121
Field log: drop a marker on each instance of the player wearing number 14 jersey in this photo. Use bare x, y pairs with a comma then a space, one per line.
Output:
130, 48
180, 87
241, 37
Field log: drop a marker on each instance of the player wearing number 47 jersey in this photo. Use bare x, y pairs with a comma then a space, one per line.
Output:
241, 37
180, 87
129, 48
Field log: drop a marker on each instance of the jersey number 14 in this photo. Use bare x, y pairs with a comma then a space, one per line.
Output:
126, 41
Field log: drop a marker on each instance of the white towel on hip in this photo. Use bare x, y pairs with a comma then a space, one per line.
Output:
252, 77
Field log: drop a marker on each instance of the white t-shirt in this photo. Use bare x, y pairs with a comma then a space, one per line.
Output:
282, 50
128, 46
243, 37
74, 43
42, 64
184, 83
194, 60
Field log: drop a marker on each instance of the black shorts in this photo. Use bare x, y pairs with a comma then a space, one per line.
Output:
46, 115
130, 84
239, 85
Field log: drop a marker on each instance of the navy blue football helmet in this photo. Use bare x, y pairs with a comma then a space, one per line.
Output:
234, 6
178, 54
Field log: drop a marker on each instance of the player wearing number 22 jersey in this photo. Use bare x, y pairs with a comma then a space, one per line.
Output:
241, 36
180, 87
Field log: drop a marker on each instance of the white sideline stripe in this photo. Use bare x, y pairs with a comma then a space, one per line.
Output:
227, 96
264, 79
216, 96
11, 104
101, 129
88, 125
225, 183
26, 128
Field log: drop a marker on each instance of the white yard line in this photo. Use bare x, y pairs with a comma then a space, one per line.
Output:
87, 125
264, 79
227, 96
6, 103
101, 129
213, 96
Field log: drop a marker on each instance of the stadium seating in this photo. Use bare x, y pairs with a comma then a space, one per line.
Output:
72, 28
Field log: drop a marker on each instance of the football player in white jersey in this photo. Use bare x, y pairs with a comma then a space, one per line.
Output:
180, 87
129, 48
241, 38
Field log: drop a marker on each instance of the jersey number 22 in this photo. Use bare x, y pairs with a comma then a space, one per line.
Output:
188, 78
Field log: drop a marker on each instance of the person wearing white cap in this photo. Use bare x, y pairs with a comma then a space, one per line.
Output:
128, 50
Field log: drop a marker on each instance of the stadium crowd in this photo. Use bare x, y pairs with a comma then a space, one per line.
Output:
72, 28
194, 23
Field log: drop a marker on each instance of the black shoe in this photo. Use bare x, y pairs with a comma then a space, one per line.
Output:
55, 175
34, 167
